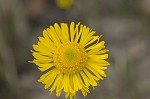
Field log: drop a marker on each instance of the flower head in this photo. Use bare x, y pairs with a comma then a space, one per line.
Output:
64, 4
72, 58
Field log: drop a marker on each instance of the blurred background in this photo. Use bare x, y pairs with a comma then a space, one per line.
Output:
124, 24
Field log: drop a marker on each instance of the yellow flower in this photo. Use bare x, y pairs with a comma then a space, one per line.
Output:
64, 4
72, 57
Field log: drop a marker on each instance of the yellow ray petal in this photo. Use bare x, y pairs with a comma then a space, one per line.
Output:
59, 86
56, 82
39, 56
104, 56
50, 78
65, 83
47, 43
45, 66
44, 76
72, 31
93, 39
59, 33
88, 38
41, 50
84, 89
101, 62
75, 86
52, 34
76, 80
102, 51
97, 68
65, 31
79, 34
99, 45
87, 81
85, 32
95, 72
70, 88
91, 77
44, 47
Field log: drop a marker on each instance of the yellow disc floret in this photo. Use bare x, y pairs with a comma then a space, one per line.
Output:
70, 58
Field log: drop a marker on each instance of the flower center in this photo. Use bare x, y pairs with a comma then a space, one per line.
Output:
70, 58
